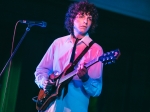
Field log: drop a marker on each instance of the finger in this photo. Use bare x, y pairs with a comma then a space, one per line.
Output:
81, 66
83, 70
81, 73
46, 82
52, 82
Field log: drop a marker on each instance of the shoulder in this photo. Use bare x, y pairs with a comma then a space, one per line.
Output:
97, 47
96, 50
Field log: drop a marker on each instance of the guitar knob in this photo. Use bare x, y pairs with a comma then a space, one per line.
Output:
46, 92
112, 52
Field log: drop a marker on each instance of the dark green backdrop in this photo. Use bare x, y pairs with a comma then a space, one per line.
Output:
126, 84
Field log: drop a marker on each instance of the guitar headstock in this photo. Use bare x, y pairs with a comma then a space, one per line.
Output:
110, 57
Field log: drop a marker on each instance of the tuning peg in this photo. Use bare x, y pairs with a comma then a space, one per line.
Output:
105, 63
107, 58
103, 59
108, 53
111, 57
109, 62
104, 54
112, 52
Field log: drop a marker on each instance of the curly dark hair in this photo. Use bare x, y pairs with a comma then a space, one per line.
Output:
83, 7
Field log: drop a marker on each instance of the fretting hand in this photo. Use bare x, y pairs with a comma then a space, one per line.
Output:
82, 72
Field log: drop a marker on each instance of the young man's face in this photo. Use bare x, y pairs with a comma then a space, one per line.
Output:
82, 23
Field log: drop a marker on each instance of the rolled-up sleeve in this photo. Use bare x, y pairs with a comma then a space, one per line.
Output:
45, 66
93, 86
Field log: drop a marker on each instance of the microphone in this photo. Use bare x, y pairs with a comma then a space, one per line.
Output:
34, 23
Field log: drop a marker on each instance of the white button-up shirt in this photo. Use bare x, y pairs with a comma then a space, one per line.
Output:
57, 58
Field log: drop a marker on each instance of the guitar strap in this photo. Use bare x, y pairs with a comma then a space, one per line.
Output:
82, 53
76, 61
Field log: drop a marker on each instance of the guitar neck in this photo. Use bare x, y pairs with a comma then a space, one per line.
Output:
92, 62
106, 58
71, 74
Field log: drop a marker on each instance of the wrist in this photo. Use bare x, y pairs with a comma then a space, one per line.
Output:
84, 78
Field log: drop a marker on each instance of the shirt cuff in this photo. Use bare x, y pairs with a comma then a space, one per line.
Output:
84, 78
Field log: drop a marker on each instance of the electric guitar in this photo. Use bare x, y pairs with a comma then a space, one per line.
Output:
45, 98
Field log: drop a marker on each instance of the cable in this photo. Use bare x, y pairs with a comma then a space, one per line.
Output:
9, 65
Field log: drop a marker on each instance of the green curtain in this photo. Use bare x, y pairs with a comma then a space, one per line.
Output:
9, 88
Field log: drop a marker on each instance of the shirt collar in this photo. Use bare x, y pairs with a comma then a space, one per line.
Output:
86, 39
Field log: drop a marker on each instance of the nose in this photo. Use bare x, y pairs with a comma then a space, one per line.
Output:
85, 20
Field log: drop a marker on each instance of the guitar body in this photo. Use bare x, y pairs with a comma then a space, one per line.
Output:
45, 99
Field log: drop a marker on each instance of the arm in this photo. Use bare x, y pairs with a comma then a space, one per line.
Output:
45, 67
93, 85
92, 78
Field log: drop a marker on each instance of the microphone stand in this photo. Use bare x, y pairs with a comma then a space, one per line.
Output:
27, 30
